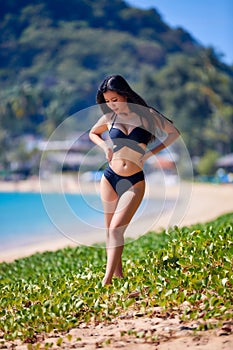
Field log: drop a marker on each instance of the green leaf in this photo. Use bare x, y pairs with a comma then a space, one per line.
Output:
79, 304
224, 281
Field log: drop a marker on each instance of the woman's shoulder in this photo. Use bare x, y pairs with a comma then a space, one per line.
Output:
108, 117
158, 114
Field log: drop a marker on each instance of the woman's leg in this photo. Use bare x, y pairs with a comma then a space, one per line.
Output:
125, 209
109, 199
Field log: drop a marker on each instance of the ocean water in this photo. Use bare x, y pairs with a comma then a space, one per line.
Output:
26, 218
29, 218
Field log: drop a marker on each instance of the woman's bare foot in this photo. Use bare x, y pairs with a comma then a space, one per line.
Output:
119, 275
106, 281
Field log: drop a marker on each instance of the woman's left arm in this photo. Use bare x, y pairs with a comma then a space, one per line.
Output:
172, 134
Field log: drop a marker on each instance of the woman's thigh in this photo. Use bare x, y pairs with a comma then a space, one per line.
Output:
109, 200
127, 205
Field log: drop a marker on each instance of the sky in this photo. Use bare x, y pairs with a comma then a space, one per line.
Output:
208, 21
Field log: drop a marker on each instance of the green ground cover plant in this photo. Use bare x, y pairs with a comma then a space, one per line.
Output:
187, 269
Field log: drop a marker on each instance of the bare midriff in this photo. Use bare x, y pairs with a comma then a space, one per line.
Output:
126, 161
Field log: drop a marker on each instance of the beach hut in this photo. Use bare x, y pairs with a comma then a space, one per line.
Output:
226, 162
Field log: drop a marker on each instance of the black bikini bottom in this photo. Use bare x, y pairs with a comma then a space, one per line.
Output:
121, 184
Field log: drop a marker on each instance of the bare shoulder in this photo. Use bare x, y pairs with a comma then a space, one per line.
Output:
161, 121
102, 124
108, 117
104, 119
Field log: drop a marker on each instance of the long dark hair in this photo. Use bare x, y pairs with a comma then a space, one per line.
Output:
118, 84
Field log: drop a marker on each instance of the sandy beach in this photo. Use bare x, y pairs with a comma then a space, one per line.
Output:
201, 203
195, 203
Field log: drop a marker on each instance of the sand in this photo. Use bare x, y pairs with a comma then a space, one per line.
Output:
131, 332
202, 202
195, 203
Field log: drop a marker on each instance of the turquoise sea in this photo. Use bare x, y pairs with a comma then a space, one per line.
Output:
31, 218
26, 218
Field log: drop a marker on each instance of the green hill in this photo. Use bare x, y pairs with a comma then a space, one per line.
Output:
53, 55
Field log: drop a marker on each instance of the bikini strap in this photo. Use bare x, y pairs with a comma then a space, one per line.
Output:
114, 115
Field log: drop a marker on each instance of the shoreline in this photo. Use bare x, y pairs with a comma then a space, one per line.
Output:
203, 202
198, 203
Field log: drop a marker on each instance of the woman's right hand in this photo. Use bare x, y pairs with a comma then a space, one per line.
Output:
109, 154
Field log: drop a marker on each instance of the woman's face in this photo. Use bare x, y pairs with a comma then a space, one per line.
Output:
117, 103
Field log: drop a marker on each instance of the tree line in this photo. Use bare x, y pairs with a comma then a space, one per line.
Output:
54, 55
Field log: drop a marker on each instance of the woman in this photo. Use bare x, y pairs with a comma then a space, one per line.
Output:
131, 126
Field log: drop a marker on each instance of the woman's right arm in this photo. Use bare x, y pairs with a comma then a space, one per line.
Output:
95, 135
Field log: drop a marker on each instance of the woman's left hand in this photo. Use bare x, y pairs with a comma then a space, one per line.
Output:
145, 157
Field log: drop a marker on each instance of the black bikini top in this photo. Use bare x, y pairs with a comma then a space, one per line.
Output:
131, 140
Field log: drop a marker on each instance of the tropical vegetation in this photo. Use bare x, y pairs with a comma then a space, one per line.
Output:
53, 56
184, 271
